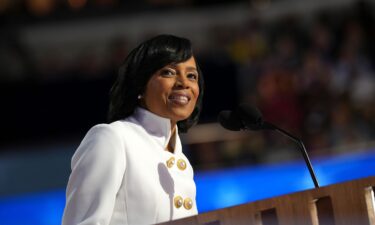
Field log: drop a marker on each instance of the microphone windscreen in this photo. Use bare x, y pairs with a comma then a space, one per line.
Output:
251, 116
230, 120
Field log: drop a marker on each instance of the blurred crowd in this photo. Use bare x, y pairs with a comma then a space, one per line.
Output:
313, 76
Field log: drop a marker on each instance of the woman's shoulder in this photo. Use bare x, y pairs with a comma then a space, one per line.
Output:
116, 128
102, 133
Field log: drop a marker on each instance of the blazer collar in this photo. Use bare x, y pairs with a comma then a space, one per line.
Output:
155, 125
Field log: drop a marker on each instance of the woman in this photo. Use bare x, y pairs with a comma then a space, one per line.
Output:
133, 171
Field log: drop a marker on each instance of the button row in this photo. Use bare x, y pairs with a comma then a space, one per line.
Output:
181, 164
187, 202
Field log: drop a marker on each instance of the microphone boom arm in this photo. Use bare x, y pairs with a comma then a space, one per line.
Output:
301, 146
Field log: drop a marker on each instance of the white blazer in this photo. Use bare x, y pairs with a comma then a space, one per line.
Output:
122, 174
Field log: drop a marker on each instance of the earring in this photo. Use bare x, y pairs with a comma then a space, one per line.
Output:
139, 96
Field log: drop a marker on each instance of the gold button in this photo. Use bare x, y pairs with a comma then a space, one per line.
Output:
188, 203
170, 162
178, 201
181, 164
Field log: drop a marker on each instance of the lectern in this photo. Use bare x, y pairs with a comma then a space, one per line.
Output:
348, 203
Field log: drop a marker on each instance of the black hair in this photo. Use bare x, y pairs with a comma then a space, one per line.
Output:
137, 69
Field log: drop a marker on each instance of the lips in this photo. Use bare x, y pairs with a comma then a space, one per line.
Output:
179, 98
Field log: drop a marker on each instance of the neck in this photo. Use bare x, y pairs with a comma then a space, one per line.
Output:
173, 127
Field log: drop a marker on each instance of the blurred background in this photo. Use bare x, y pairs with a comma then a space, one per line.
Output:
308, 66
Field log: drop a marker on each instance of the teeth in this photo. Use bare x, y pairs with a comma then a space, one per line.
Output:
180, 99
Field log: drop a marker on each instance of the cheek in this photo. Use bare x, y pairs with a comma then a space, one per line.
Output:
151, 95
196, 92
158, 91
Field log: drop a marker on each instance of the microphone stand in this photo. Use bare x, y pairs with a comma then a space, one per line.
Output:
301, 146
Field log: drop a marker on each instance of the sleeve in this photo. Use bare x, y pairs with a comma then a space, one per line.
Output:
98, 167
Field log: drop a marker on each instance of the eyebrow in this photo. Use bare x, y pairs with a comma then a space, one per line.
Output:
192, 68
188, 68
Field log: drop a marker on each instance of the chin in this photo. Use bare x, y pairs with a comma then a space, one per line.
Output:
179, 115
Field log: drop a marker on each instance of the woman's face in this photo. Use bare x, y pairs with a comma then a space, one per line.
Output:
172, 91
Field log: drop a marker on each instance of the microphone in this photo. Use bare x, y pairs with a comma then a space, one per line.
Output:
248, 117
244, 117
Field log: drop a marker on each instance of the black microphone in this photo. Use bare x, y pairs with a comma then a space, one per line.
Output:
244, 117
247, 117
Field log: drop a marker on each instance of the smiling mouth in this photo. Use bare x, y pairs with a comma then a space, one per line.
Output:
179, 99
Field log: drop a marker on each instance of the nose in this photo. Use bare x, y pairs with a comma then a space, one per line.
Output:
182, 82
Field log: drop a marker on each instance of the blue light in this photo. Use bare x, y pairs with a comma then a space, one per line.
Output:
33, 209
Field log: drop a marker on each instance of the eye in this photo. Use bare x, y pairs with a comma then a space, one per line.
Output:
192, 76
167, 72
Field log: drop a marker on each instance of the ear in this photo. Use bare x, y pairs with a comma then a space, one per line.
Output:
141, 101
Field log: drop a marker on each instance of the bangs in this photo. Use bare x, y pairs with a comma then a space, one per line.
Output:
162, 52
